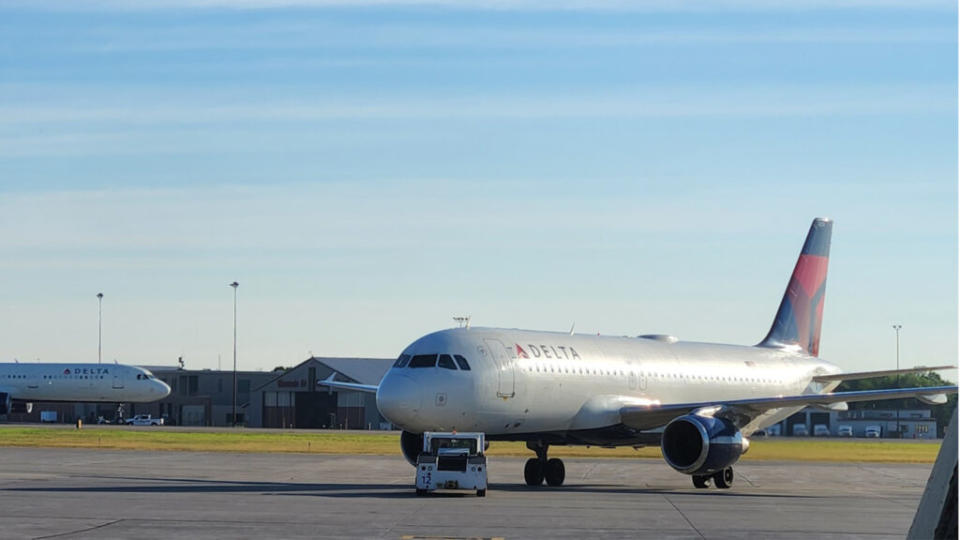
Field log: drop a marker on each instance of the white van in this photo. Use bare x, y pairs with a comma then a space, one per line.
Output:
821, 430
872, 432
844, 431
800, 430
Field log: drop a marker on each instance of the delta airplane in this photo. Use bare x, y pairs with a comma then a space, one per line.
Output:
698, 401
22, 384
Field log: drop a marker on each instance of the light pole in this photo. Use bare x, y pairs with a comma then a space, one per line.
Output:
99, 327
234, 417
896, 328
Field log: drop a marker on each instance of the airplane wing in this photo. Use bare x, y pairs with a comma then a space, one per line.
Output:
742, 411
874, 374
329, 382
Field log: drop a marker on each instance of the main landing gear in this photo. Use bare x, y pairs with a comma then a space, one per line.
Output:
540, 468
722, 479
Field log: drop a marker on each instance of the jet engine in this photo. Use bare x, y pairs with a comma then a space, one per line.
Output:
8, 405
411, 444
700, 445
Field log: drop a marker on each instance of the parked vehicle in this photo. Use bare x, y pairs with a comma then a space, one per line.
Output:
821, 430
872, 432
800, 430
844, 431
452, 461
143, 420
48, 416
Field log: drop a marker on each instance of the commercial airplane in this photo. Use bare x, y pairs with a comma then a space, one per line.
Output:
698, 401
22, 384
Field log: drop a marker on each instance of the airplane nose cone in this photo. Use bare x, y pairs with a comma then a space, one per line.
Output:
398, 399
163, 388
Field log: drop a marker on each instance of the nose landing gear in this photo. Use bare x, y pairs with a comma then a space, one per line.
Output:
540, 468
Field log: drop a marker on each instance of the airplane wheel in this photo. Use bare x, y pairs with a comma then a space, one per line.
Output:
700, 481
724, 478
481, 493
554, 472
533, 472
421, 492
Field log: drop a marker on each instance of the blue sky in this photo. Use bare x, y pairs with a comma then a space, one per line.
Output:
368, 171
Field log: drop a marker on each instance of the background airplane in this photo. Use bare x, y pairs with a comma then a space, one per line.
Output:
22, 384
694, 399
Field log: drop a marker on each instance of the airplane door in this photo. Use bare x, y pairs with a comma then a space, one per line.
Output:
506, 378
117, 381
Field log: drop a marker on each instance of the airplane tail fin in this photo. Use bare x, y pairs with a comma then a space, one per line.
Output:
801, 311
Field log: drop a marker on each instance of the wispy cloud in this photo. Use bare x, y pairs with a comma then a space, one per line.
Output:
645, 101
499, 5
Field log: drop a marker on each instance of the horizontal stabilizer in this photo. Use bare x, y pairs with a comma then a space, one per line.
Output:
933, 399
874, 374
330, 383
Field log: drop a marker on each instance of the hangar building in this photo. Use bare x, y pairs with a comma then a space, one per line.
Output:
294, 400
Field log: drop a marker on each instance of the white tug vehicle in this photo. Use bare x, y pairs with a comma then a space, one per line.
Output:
452, 461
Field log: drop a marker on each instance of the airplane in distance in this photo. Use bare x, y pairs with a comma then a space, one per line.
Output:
21, 384
698, 401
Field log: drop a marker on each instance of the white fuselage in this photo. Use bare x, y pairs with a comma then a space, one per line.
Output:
524, 382
80, 382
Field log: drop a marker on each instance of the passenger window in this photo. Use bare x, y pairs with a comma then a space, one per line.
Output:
462, 362
402, 361
423, 360
446, 362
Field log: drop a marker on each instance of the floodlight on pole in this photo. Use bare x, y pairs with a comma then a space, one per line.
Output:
99, 327
896, 328
234, 416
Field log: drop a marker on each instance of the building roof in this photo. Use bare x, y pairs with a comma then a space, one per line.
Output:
171, 369
361, 370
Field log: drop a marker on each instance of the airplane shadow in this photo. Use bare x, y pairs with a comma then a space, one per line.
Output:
355, 490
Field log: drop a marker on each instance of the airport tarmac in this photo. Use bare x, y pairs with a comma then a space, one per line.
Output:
74, 493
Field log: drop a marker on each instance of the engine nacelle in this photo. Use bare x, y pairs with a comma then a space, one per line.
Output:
694, 444
10, 406
21, 407
411, 444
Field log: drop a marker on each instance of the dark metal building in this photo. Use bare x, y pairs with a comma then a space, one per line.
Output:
294, 400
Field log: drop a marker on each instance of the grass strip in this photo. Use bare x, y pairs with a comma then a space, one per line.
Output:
854, 450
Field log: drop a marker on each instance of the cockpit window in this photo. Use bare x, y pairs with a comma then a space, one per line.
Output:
462, 362
446, 362
423, 360
402, 361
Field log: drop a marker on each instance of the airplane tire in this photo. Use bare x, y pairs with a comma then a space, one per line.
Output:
723, 479
421, 492
533, 472
700, 481
481, 493
555, 472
